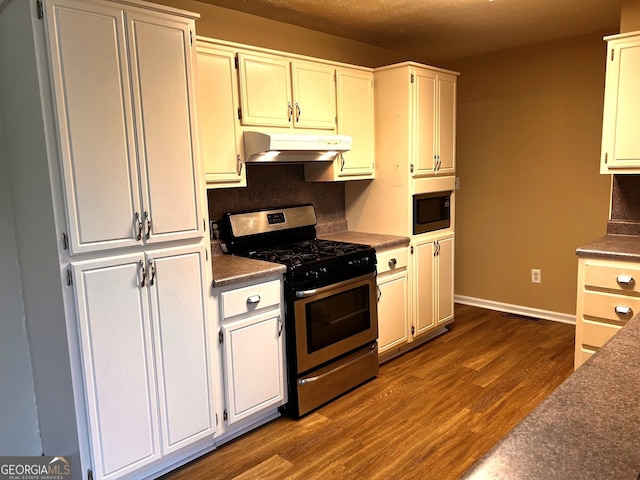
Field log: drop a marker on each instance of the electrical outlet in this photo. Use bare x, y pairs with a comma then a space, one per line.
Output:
536, 275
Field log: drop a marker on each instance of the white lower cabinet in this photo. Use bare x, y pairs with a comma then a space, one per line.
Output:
393, 300
145, 351
251, 340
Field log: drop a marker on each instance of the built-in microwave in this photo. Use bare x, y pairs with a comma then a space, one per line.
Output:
431, 211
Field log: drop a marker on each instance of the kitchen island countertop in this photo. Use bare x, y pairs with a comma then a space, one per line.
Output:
588, 428
612, 247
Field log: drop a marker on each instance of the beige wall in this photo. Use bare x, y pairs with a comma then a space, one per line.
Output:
529, 130
629, 15
226, 24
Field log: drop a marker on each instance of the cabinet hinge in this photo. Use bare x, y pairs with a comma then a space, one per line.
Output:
220, 338
89, 474
606, 158
65, 241
411, 168
225, 416
412, 78
411, 249
69, 277
236, 62
239, 113
39, 9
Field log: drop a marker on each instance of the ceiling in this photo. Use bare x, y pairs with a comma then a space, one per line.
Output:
441, 30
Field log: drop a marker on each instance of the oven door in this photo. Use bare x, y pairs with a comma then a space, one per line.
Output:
334, 320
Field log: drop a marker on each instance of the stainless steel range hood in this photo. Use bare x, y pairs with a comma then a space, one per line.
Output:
293, 148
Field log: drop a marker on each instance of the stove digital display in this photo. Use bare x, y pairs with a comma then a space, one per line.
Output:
275, 218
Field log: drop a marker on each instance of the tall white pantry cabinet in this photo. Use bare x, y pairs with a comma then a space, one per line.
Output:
97, 103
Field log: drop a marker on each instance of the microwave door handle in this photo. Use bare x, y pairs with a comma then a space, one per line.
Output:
334, 286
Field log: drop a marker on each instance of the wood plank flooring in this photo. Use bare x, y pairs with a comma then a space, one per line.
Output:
430, 414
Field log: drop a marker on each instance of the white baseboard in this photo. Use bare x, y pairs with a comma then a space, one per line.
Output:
517, 309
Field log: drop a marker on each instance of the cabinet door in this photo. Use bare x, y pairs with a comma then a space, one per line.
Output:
424, 122
163, 91
424, 287
117, 358
446, 124
265, 91
254, 364
621, 142
444, 260
314, 95
355, 118
392, 310
180, 330
217, 110
95, 123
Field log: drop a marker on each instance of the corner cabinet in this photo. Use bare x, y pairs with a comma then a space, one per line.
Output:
146, 356
355, 108
218, 104
251, 341
128, 142
620, 139
608, 297
433, 283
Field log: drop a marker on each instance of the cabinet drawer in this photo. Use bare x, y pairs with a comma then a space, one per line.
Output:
392, 259
596, 334
624, 278
610, 307
251, 298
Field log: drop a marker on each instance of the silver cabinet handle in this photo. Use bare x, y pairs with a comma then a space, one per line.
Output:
152, 269
138, 227
625, 280
298, 112
253, 299
623, 310
143, 280
290, 110
147, 219
341, 162
280, 327
392, 263
239, 169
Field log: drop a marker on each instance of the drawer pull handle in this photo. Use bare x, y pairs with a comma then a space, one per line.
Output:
625, 280
622, 310
253, 299
392, 263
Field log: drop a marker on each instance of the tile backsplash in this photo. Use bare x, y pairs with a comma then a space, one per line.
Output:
275, 186
625, 205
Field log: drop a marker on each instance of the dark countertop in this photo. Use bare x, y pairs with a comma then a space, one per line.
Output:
230, 270
377, 241
589, 428
612, 247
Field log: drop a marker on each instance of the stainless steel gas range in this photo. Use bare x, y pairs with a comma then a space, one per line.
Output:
331, 318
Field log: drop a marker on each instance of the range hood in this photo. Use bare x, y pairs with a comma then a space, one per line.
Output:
292, 147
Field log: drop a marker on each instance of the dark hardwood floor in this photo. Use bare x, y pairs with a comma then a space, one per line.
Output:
428, 415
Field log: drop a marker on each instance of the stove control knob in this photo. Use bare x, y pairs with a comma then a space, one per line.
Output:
313, 274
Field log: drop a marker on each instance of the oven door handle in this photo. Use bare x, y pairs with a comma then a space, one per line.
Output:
333, 286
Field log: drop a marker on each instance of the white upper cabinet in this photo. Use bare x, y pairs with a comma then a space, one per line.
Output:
354, 94
123, 92
433, 132
620, 138
220, 136
278, 92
